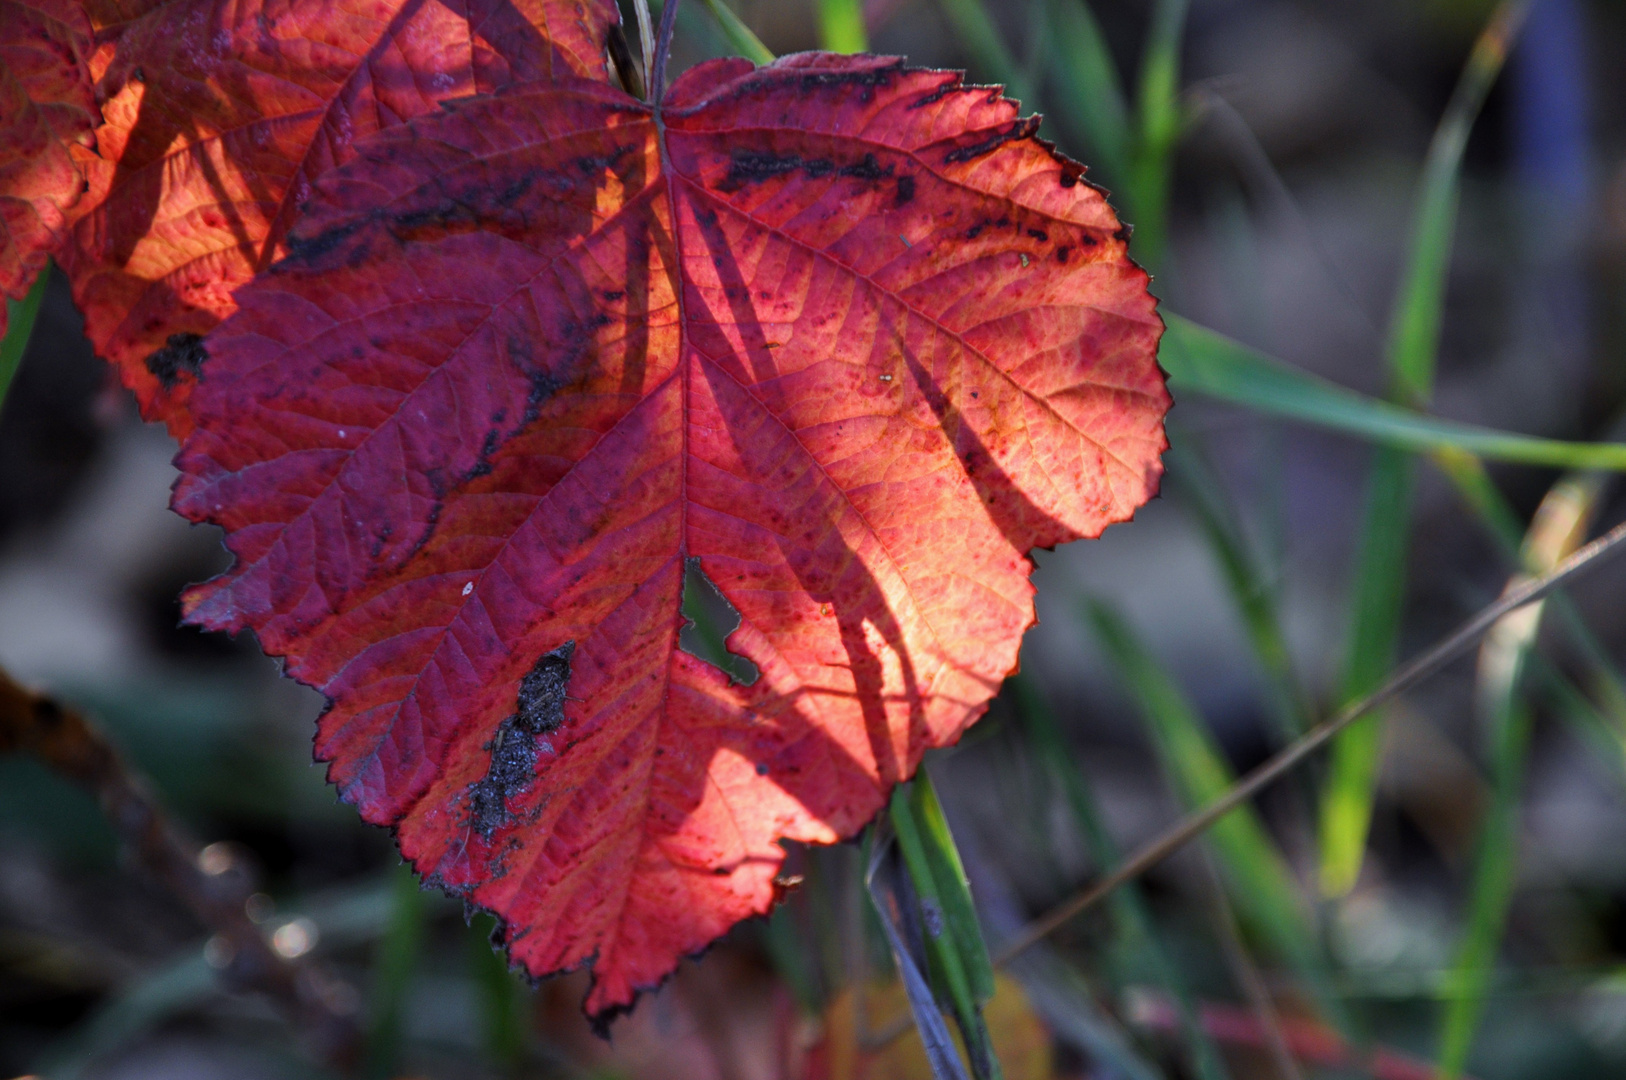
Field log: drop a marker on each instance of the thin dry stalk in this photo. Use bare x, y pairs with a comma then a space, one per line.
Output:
1194, 824
320, 1006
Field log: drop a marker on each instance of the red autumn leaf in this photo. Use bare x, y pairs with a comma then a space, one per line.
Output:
46, 107
843, 332
220, 114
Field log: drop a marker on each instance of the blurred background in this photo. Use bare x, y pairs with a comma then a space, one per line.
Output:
1270, 154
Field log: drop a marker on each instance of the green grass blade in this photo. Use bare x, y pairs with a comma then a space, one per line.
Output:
502, 1008
1082, 67
991, 57
1069, 1004
1495, 873
394, 964
1205, 362
20, 318
1200, 492
953, 888
177, 987
1377, 602
788, 952
1136, 931
1568, 505
834, 920
1606, 682
1261, 883
739, 36
841, 26
1558, 528
943, 950
1160, 124
1413, 342
1036, 56
1476, 488
1603, 734
1159, 89
884, 881
1414, 328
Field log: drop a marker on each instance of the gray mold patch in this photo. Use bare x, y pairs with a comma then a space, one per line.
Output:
540, 711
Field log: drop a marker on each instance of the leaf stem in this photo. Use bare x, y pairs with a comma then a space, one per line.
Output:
646, 41
1181, 832
663, 49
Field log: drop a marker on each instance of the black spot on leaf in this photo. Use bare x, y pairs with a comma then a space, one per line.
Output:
866, 169
1020, 129
540, 710
755, 167
182, 353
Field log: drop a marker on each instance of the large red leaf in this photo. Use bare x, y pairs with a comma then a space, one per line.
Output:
841, 331
220, 114
46, 107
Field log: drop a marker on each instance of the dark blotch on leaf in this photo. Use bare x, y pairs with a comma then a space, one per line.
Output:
540, 710
952, 86
310, 249
866, 169
482, 464
864, 79
752, 167
181, 353
1020, 129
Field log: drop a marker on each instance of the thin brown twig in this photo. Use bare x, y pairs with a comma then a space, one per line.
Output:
1197, 822
318, 1003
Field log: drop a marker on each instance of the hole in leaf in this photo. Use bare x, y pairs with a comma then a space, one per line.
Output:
711, 619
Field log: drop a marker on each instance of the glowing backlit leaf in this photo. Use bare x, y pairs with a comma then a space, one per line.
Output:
221, 113
841, 331
46, 110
